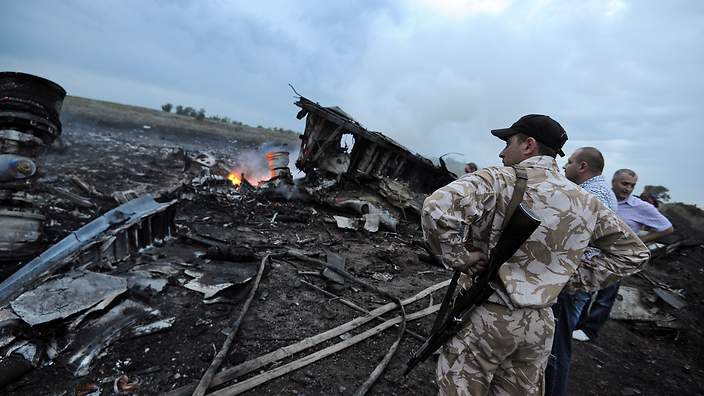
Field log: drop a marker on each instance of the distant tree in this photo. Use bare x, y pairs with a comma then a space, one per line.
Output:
167, 107
658, 192
219, 118
189, 111
200, 115
179, 110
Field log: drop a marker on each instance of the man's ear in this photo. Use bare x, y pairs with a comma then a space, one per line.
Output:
583, 166
531, 145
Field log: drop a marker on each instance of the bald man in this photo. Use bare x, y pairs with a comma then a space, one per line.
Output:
584, 167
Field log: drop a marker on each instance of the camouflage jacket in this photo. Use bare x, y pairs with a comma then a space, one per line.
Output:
467, 215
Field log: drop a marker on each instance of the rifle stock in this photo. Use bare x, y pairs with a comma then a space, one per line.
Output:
518, 229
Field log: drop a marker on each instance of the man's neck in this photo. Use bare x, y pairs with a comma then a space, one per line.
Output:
588, 176
623, 200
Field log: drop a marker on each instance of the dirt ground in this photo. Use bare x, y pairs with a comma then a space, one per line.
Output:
629, 358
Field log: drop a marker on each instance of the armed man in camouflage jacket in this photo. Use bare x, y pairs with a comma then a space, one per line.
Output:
505, 345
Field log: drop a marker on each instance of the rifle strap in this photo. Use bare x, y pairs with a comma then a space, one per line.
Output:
518, 190
516, 198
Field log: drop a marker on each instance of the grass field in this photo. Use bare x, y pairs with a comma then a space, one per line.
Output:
121, 115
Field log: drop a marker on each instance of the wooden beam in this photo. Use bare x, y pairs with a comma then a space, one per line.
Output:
353, 305
283, 352
257, 380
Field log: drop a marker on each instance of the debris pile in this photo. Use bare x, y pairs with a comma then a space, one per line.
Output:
116, 278
375, 163
372, 155
29, 122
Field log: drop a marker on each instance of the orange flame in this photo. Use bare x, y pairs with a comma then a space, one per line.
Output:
234, 178
253, 177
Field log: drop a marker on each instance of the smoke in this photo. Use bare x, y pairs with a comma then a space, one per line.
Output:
252, 163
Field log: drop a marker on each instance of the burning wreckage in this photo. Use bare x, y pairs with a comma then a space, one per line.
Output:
92, 290
136, 299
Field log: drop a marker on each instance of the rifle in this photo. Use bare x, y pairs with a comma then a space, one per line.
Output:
451, 319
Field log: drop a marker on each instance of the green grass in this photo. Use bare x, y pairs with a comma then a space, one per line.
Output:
125, 115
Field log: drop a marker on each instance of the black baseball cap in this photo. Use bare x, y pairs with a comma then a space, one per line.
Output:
540, 127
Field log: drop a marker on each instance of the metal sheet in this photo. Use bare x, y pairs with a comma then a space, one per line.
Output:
630, 305
66, 296
346, 223
672, 299
110, 224
217, 276
122, 320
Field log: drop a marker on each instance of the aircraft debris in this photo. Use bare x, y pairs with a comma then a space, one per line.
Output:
29, 122
123, 320
672, 299
110, 237
65, 296
631, 304
215, 277
373, 154
18, 361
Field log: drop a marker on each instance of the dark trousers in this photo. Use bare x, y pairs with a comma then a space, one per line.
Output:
592, 319
566, 311
572, 311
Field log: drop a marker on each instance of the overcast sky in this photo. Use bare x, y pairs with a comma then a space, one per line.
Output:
436, 75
